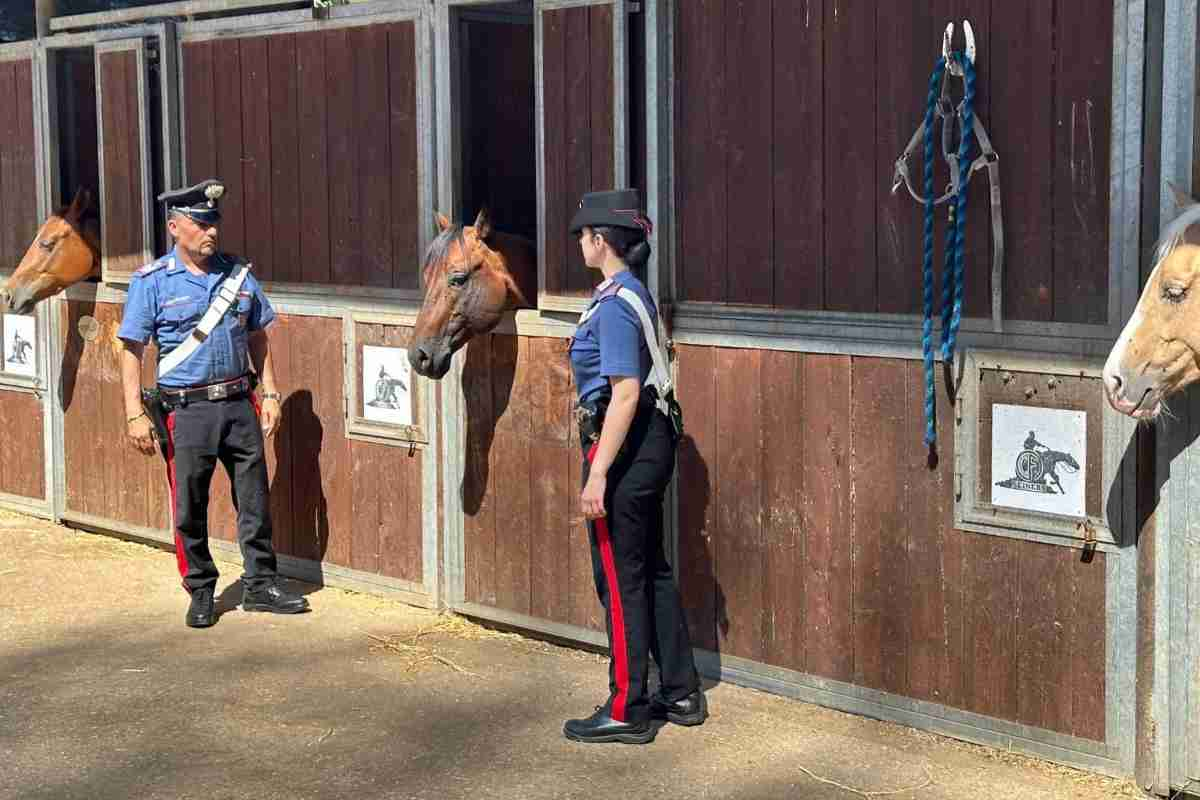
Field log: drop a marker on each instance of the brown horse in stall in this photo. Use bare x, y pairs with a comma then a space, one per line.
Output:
1158, 352
65, 251
471, 276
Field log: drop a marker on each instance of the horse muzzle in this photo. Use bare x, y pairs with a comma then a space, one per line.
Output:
430, 358
1137, 397
18, 300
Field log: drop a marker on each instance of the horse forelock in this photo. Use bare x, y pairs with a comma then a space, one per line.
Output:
1175, 233
439, 249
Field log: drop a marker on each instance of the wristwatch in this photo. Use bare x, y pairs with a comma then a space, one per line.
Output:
272, 396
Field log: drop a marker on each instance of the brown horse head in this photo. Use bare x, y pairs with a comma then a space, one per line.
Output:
65, 251
1158, 352
471, 275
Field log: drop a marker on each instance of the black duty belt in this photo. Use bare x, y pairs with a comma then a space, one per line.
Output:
228, 390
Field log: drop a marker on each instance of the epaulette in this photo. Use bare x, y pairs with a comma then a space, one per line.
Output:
152, 267
608, 291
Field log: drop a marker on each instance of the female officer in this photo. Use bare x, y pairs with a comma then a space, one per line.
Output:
629, 448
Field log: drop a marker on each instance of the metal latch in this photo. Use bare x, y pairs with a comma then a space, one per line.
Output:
1087, 531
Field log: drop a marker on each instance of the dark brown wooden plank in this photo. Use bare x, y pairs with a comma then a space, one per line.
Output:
285, 192
750, 225
9, 247
1022, 50
1088, 650
829, 612
138, 197
697, 486
550, 492
227, 93
24, 218
282, 337
401, 524
312, 142
369, 45
577, 156
555, 66
739, 540
365, 490
701, 141
75, 384
783, 508
849, 186
1083, 122
602, 127
344, 190
1044, 690
119, 132
307, 439
256, 156
406, 221
511, 466
907, 49
479, 547
929, 510
797, 125
326, 337
22, 470
199, 111
881, 582
992, 607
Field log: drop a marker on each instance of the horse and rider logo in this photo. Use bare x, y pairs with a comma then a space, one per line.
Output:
385, 390
1037, 468
21, 350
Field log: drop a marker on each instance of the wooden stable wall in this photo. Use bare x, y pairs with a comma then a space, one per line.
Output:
577, 69
526, 546
123, 235
19, 219
350, 503
315, 134
813, 536
789, 118
23, 456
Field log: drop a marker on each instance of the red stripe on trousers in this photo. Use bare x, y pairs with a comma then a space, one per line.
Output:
180, 555
620, 652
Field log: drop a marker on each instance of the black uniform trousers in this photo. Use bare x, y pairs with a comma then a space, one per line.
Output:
200, 434
633, 577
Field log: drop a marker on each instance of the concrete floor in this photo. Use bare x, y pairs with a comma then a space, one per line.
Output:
105, 694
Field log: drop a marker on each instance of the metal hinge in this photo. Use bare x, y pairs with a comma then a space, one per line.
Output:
1087, 532
633, 8
957, 486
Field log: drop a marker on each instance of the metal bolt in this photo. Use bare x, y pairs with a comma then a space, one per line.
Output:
1006, 377
1030, 392
1052, 382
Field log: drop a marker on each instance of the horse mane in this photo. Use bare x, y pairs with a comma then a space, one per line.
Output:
1175, 233
439, 249
87, 226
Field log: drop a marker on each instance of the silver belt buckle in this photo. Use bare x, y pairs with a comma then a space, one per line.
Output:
218, 391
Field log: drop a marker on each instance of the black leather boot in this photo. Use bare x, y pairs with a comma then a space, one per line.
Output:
200, 612
600, 727
691, 710
273, 599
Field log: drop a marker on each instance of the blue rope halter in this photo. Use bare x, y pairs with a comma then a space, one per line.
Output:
952, 289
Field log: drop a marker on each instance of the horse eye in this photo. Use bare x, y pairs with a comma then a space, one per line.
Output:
1174, 294
459, 279
46, 245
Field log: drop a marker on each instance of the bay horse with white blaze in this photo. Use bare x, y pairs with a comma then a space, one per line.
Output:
65, 251
471, 276
1158, 352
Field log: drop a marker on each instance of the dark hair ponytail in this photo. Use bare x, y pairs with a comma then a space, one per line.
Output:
630, 246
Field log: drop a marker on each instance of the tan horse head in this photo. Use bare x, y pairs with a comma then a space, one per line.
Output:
65, 251
472, 275
1158, 352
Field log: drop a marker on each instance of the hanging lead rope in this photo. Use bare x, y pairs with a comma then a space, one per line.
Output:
939, 104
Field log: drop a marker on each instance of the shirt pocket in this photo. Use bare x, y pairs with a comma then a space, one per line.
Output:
182, 314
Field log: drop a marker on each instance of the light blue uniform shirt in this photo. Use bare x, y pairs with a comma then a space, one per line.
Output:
610, 342
166, 303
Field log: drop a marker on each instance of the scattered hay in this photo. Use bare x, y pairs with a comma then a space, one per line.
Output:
415, 655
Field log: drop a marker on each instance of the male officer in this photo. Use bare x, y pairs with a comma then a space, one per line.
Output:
209, 317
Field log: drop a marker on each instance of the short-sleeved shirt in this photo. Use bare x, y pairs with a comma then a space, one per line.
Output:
610, 342
166, 302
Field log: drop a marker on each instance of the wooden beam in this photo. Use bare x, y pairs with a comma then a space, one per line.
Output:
183, 8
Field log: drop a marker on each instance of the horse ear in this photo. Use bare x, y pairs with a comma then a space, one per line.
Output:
81, 203
442, 222
1182, 198
483, 224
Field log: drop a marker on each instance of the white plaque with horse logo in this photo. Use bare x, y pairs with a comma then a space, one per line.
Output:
20, 345
1039, 459
387, 385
